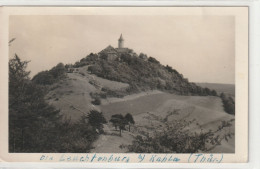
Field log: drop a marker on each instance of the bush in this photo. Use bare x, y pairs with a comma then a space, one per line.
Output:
153, 60
95, 69
176, 138
228, 103
50, 77
143, 56
44, 78
58, 72
97, 101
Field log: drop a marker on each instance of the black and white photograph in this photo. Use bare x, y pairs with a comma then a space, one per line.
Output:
130, 83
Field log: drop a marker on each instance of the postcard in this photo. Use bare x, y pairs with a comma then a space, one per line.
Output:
124, 84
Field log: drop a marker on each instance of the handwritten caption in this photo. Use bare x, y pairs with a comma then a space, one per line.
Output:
140, 158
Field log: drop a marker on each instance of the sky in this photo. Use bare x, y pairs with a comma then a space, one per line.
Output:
202, 48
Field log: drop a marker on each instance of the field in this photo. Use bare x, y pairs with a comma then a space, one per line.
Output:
150, 109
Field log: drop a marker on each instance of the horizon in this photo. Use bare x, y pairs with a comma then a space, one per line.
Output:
204, 54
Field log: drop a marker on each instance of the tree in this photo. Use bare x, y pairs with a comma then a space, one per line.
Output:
96, 120
95, 69
228, 103
104, 56
43, 78
58, 71
153, 60
213, 93
118, 120
92, 57
143, 56
207, 91
223, 96
52, 76
129, 119
115, 120
29, 114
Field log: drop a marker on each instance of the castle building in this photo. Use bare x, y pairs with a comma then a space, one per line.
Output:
113, 53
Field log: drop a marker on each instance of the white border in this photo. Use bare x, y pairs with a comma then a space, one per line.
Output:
254, 82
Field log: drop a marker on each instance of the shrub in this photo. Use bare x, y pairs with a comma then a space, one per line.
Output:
50, 77
228, 103
153, 60
95, 69
58, 71
97, 101
143, 56
176, 138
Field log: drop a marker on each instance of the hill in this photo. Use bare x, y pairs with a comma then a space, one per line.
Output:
72, 95
99, 76
141, 74
157, 96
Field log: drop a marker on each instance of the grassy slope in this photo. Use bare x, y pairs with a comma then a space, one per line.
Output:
207, 110
72, 97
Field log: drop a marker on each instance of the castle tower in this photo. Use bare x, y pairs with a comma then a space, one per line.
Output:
121, 42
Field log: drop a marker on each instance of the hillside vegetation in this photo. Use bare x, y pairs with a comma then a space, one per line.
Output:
75, 102
135, 73
35, 126
141, 74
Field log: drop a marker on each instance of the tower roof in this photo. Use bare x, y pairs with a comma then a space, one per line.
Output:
121, 37
108, 49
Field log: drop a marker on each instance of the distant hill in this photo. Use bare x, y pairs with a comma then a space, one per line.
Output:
220, 88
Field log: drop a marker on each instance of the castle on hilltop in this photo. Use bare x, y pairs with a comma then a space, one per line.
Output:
112, 53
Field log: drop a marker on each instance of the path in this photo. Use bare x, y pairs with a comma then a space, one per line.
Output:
110, 141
